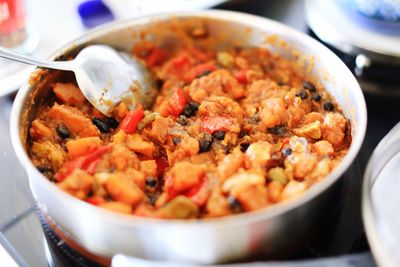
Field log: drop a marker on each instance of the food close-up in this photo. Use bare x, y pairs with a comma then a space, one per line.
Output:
229, 132
199, 133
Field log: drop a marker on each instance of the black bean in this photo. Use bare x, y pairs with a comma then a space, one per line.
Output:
328, 106
159, 83
309, 86
227, 149
234, 204
316, 97
44, 169
286, 151
101, 125
190, 109
152, 199
151, 182
176, 140
302, 94
62, 131
244, 146
182, 120
278, 130
205, 145
204, 73
219, 135
111, 122
254, 119
242, 134
281, 83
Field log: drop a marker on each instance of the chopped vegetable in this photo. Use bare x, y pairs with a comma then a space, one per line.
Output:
311, 130
156, 57
132, 119
148, 118
69, 94
225, 59
74, 119
136, 143
213, 124
87, 163
177, 102
50, 152
82, 146
180, 179
199, 70
39, 131
122, 189
179, 208
78, 183
278, 175
229, 132
241, 76
117, 207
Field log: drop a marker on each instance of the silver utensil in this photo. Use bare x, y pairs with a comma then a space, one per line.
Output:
106, 77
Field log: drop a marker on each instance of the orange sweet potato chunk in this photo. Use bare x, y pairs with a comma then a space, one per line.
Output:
76, 122
69, 94
82, 146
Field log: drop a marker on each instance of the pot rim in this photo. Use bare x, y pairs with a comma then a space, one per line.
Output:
226, 221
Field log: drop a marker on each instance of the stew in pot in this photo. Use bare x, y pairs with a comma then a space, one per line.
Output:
229, 132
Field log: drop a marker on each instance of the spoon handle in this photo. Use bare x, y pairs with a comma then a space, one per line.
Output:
59, 65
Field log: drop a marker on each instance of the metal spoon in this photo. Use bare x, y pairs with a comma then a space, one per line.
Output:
106, 77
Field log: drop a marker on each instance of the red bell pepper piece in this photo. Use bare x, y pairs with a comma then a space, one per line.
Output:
177, 102
177, 66
132, 119
169, 190
162, 164
96, 200
199, 70
241, 76
200, 192
87, 163
218, 123
68, 167
180, 62
156, 56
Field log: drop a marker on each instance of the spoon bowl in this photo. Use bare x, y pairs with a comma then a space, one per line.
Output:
105, 76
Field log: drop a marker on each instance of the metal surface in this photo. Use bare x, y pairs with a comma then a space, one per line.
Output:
373, 56
380, 200
271, 230
363, 259
336, 27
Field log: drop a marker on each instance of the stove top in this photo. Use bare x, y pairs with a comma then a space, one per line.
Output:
31, 242
375, 62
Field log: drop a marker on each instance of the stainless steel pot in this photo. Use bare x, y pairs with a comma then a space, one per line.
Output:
274, 230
